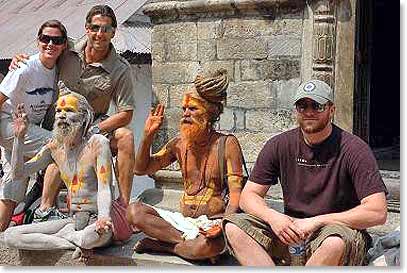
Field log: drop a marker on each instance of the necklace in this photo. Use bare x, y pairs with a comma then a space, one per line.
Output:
189, 187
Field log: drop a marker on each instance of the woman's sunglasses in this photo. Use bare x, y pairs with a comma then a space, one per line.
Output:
56, 40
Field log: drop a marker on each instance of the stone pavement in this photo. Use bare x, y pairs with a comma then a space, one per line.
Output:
166, 196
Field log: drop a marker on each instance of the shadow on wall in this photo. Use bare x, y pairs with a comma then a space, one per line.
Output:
143, 91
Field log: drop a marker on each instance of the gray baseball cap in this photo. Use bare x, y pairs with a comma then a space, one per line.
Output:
316, 90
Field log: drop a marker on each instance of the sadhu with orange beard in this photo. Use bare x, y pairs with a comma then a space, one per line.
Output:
190, 234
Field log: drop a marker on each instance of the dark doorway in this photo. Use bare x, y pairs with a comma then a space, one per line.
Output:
377, 81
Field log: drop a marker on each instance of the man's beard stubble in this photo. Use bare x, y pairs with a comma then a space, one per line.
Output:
315, 126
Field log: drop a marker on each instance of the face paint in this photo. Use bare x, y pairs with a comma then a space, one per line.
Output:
194, 120
67, 118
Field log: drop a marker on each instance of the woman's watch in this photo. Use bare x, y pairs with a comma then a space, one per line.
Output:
95, 129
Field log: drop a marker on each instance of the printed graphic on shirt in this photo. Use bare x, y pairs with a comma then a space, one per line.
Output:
38, 101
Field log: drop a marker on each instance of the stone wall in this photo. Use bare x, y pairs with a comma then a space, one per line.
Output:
258, 42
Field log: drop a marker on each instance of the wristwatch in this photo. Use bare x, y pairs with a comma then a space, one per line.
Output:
95, 129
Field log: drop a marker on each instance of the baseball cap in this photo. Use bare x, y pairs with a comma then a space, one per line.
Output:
316, 90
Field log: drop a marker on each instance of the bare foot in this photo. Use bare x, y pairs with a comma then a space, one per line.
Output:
86, 254
151, 245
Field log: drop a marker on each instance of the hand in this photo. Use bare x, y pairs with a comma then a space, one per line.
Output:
285, 229
103, 225
307, 225
18, 58
154, 120
20, 121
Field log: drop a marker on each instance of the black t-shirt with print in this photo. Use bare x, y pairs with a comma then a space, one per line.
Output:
330, 177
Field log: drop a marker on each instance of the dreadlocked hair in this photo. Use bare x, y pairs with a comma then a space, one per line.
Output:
213, 90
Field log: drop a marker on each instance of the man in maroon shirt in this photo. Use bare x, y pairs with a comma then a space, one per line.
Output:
332, 192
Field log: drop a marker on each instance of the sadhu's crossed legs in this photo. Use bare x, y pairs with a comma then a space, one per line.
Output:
168, 238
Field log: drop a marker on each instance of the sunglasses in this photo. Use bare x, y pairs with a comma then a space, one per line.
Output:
315, 106
104, 28
56, 40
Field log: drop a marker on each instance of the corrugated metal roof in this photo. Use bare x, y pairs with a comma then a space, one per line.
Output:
20, 20
135, 37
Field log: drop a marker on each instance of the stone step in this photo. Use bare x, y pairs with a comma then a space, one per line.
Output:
166, 179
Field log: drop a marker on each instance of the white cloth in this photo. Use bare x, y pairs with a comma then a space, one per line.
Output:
187, 225
31, 84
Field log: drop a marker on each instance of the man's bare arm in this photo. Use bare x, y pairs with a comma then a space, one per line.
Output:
233, 155
21, 170
371, 212
115, 121
145, 163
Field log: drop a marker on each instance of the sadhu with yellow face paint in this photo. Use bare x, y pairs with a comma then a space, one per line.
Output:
85, 162
196, 150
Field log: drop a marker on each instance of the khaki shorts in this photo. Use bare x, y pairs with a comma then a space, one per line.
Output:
356, 242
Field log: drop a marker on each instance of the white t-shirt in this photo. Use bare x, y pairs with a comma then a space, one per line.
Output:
31, 84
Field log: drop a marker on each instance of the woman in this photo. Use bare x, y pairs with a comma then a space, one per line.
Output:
34, 84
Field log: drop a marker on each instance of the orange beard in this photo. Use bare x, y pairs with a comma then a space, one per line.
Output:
192, 131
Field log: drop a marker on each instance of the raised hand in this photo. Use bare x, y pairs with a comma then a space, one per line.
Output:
154, 120
17, 59
20, 121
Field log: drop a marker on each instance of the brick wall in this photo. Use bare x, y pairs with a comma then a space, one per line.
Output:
261, 52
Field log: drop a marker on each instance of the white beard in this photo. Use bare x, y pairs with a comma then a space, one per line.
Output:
67, 134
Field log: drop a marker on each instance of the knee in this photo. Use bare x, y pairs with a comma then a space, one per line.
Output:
11, 238
125, 139
52, 168
335, 245
136, 212
232, 232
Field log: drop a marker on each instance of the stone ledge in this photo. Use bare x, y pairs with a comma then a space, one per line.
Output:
176, 9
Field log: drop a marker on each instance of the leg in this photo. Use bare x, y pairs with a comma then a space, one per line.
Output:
242, 244
338, 245
330, 252
149, 221
6, 212
123, 141
197, 249
200, 248
87, 238
39, 236
52, 183
11, 192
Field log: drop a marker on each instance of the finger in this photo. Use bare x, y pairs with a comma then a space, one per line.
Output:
293, 236
297, 230
287, 238
283, 239
161, 110
156, 110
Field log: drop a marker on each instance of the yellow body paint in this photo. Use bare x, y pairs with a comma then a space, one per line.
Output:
68, 102
103, 174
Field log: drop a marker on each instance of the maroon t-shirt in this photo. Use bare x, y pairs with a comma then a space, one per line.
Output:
330, 177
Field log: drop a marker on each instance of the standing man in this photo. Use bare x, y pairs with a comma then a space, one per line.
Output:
196, 149
331, 185
92, 68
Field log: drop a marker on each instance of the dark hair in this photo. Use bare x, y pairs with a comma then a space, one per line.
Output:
103, 10
54, 24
